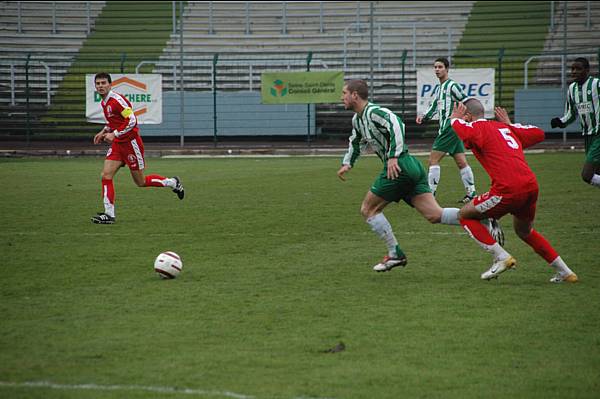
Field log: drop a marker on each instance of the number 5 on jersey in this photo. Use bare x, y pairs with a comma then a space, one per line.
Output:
512, 143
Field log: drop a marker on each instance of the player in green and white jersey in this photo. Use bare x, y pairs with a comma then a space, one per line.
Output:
402, 178
582, 100
447, 142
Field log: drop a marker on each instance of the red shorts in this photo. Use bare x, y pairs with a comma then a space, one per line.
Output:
130, 152
495, 205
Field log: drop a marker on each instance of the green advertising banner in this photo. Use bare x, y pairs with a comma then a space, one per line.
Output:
301, 87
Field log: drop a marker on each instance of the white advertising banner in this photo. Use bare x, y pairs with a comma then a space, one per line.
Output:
475, 82
144, 92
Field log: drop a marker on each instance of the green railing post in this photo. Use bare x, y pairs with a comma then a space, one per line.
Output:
500, 58
308, 60
123, 58
215, 60
27, 96
403, 82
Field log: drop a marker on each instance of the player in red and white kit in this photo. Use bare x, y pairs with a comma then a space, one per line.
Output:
498, 146
127, 148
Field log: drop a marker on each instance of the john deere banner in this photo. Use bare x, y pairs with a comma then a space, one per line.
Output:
301, 87
144, 92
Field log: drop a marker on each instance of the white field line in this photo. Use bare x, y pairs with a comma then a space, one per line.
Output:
458, 231
96, 387
142, 388
336, 155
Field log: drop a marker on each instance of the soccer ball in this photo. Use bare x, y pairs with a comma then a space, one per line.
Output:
168, 265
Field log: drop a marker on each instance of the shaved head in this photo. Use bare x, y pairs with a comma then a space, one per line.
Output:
475, 108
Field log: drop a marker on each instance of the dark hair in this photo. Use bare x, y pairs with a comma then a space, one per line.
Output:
103, 75
444, 61
359, 86
583, 61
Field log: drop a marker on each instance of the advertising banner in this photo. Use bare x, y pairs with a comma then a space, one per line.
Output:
301, 87
475, 82
144, 92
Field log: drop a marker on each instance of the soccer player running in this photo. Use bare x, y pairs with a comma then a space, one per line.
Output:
127, 148
402, 178
449, 94
582, 99
498, 146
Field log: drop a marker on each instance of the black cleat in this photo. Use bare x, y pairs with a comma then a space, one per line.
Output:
179, 188
466, 199
103, 218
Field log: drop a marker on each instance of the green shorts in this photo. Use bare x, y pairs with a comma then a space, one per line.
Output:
448, 142
592, 148
411, 182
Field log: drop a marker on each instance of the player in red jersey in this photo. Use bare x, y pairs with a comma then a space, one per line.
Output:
127, 148
498, 146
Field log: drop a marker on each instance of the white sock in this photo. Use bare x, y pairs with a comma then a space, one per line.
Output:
466, 175
496, 250
380, 225
170, 182
450, 216
434, 177
561, 267
109, 208
595, 180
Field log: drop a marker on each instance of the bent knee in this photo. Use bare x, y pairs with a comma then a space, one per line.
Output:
523, 233
587, 178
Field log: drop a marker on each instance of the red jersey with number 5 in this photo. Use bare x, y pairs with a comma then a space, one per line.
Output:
499, 149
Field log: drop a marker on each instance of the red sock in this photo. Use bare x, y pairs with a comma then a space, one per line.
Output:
541, 246
155, 181
477, 231
108, 197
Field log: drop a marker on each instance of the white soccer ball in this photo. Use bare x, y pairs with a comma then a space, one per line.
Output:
168, 265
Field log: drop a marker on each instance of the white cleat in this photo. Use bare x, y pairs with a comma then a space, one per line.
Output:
499, 267
388, 263
569, 278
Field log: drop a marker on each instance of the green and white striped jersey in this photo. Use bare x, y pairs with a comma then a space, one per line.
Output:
379, 128
449, 94
583, 100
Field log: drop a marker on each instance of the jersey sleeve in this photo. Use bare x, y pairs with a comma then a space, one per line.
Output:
570, 114
431, 110
528, 135
385, 119
466, 131
354, 146
129, 118
457, 93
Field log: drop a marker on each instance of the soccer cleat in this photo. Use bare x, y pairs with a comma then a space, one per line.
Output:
103, 218
178, 188
499, 267
570, 278
467, 198
496, 231
388, 263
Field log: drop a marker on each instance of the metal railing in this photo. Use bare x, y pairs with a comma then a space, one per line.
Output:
563, 62
413, 26
88, 13
13, 80
250, 64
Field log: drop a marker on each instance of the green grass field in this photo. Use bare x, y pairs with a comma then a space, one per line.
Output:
277, 269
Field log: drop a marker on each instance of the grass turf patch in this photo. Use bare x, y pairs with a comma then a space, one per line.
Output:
277, 269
